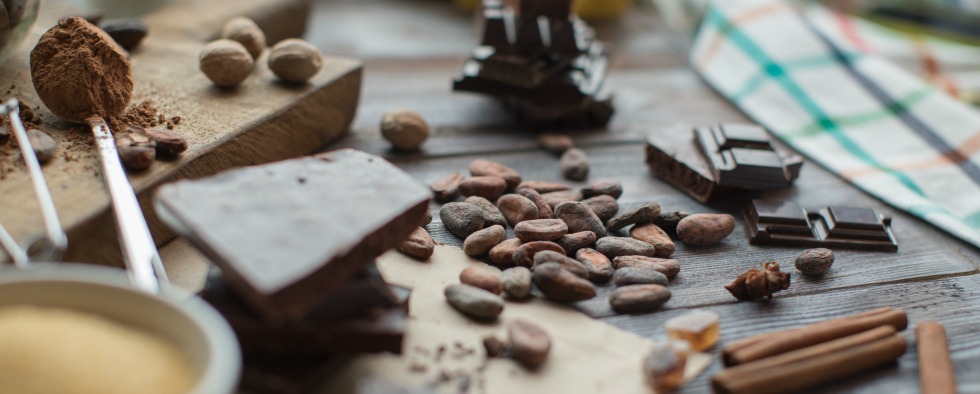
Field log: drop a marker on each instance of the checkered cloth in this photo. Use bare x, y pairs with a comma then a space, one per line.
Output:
876, 125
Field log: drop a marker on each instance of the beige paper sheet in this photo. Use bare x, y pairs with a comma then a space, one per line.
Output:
587, 356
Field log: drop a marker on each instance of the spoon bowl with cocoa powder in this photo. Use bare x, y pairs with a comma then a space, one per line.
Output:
83, 76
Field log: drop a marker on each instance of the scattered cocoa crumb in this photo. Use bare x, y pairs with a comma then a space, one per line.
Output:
175, 119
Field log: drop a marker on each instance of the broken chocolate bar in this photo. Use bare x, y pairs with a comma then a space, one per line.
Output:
720, 161
786, 223
288, 234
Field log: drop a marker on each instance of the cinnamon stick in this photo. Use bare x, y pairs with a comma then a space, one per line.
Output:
817, 366
936, 373
771, 344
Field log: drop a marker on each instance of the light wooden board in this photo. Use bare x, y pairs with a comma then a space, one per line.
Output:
261, 121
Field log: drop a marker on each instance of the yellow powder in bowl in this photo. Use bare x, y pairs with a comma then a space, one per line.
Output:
52, 350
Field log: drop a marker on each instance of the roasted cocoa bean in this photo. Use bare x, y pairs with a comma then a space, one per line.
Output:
704, 229
494, 346
603, 188
503, 253
668, 220
544, 210
418, 245
575, 241
461, 219
489, 187
474, 302
446, 188
516, 282
558, 197
614, 247
426, 219
491, 215
524, 255
169, 143
136, 150
654, 235
481, 167
668, 267
574, 164
543, 187
638, 276
560, 285
483, 277
605, 207
814, 262
480, 242
516, 208
555, 143
638, 298
579, 218
540, 230
644, 213
597, 264
529, 343
574, 266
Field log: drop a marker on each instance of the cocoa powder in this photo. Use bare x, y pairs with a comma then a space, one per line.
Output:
80, 72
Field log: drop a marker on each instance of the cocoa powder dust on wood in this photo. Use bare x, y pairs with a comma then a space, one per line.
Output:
80, 72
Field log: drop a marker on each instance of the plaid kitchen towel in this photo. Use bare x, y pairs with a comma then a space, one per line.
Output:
876, 125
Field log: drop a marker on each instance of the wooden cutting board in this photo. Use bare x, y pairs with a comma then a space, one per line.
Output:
260, 121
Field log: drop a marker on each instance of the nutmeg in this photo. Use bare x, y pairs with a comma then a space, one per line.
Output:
294, 60
406, 130
226, 62
247, 33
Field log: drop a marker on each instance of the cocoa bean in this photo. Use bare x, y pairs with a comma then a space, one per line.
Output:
418, 245
614, 247
529, 343
516, 208
656, 236
489, 187
494, 346
644, 213
503, 253
548, 256
543, 187
544, 210
638, 298
483, 277
668, 267
169, 143
136, 150
597, 264
603, 188
480, 242
540, 230
491, 215
575, 241
578, 217
461, 219
668, 220
474, 302
704, 229
638, 276
558, 197
555, 143
481, 167
42, 144
574, 164
446, 188
426, 219
524, 255
516, 282
605, 207
559, 285
814, 262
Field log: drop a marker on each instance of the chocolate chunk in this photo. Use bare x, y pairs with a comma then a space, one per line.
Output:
786, 223
284, 255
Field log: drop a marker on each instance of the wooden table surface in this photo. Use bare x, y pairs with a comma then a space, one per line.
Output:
412, 48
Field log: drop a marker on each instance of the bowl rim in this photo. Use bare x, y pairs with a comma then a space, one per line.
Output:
223, 369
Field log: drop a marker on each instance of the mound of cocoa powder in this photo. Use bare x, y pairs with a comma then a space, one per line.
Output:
80, 72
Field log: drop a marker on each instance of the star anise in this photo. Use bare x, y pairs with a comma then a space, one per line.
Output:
756, 284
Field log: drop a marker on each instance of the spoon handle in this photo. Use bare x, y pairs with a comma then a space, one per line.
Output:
139, 251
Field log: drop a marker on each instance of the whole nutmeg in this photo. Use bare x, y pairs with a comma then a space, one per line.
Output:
226, 62
294, 60
405, 130
814, 262
246, 32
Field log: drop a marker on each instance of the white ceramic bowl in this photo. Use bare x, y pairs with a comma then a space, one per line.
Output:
185, 320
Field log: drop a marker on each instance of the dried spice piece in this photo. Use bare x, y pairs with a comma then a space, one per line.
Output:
814, 262
699, 328
226, 63
246, 32
43, 145
137, 150
407, 131
294, 60
756, 284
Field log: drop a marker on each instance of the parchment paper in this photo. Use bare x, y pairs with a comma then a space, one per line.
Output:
587, 356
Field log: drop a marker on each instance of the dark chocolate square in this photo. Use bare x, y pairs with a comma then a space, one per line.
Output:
855, 218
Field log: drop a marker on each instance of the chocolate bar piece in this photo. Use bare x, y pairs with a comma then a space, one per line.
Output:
288, 234
545, 8
786, 223
720, 161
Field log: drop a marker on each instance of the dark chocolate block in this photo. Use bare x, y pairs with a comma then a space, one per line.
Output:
714, 164
286, 235
786, 223
546, 8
